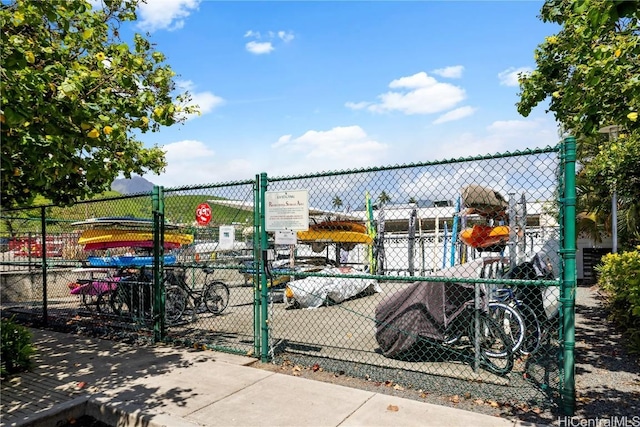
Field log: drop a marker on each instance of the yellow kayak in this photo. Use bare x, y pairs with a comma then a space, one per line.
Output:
339, 225
105, 235
329, 236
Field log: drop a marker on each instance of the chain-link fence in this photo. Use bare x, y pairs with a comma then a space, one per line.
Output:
448, 276
437, 276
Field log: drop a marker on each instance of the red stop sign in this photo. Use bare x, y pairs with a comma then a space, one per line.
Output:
203, 214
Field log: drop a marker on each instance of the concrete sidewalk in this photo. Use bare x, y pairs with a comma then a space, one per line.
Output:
167, 386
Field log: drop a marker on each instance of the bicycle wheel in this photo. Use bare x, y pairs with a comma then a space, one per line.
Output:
511, 322
120, 301
111, 302
90, 301
175, 303
216, 297
495, 347
533, 330
104, 302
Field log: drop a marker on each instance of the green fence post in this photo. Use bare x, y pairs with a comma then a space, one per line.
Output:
264, 291
43, 226
257, 238
568, 293
157, 198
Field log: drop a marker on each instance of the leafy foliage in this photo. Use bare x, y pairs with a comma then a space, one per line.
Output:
620, 279
16, 348
74, 97
590, 68
589, 72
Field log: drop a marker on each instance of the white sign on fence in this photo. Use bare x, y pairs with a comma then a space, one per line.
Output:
287, 210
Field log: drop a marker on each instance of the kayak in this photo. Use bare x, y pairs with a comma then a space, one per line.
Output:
127, 244
126, 261
329, 236
339, 226
108, 235
484, 236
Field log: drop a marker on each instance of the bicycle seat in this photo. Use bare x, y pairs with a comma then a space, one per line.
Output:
208, 270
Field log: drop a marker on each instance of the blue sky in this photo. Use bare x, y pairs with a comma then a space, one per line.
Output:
295, 87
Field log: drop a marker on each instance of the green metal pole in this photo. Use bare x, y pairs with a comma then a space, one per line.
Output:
568, 292
264, 292
158, 263
256, 276
43, 225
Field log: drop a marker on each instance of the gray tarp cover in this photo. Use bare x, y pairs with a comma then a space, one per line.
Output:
422, 309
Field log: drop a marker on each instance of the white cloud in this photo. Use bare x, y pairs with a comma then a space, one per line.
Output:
262, 47
342, 147
357, 105
164, 14
259, 48
512, 127
505, 174
206, 101
509, 77
456, 114
416, 94
191, 162
286, 36
499, 137
418, 80
186, 150
452, 72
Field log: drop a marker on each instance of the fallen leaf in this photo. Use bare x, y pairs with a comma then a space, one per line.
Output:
315, 367
297, 368
455, 398
537, 410
398, 387
424, 395
493, 403
392, 408
388, 383
478, 401
81, 384
467, 395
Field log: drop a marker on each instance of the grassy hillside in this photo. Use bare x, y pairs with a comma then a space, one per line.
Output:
179, 209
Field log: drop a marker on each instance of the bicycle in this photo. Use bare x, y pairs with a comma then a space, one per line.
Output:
517, 316
494, 344
527, 330
214, 295
130, 293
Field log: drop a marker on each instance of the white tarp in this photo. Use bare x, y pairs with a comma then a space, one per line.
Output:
312, 292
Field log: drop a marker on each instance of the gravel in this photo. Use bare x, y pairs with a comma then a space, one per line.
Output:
607, 378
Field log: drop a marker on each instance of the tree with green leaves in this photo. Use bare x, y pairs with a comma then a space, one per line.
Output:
75, 97
383, 198
588, 72
337, 202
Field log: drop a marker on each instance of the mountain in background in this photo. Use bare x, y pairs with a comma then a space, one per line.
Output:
136, 184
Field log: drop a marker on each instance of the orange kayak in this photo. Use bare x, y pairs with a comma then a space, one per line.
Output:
483, 236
